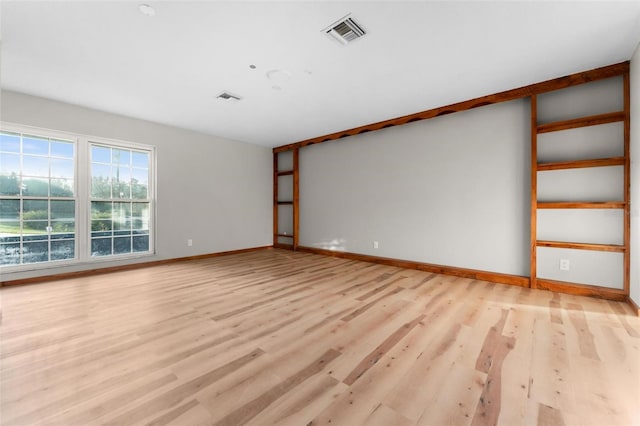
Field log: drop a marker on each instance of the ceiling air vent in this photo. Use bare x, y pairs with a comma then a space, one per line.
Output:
345, 30
228, 96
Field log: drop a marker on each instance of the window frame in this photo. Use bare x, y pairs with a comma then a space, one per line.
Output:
82, 197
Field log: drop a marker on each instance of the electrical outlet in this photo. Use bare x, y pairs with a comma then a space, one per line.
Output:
565, 264
375, 244
189, 242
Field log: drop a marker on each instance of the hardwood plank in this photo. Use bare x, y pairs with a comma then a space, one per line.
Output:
402, 347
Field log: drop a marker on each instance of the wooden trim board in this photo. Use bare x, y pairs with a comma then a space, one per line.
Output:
582, 289
100, 271
495, 277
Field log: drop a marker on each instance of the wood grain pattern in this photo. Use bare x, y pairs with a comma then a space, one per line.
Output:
582, 205
509, 95
626, 90
582, 246
592, 120
293, 338
579, 164
533, 195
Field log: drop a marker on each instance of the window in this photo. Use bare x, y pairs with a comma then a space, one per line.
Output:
120, 204
37, 199
66, 198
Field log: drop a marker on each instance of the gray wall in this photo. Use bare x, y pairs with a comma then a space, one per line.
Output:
223, 186
635, 176
453, 191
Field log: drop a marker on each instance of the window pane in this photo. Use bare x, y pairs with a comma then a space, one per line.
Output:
9, 185
35, 145
10, 254
100, 181
9, 209
36, 209
140, 159
121, 182
35, 187
9, 231
35, 227
100, 154
62, 149
35, 252
121, 156
62, 187
9, 164
139, 183
35, 166
122, 245
101, 210
10, 142
63, 229
140, 217
62, 168
63, 209
101, 247
141, 243
122, 216
62, 249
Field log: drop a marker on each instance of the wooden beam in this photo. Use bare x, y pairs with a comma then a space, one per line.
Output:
627, 181
296, 199
533, 236
509, 95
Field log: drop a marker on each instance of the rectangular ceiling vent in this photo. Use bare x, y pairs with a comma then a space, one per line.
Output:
228, 96
345, 30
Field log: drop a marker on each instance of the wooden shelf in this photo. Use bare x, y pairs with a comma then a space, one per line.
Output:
582, 205
285, 173
285, 235
581, 246
579, 164
286, 203
592, 120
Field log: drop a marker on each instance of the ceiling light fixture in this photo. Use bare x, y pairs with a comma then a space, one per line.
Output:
146, 10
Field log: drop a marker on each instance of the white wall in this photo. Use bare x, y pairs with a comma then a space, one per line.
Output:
453, 190
635, 176
223, 186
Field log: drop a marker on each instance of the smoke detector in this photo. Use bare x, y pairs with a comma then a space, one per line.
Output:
345, 30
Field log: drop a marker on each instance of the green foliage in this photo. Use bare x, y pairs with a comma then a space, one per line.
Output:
10, 185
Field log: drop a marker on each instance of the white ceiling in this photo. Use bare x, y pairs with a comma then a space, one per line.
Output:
417, 55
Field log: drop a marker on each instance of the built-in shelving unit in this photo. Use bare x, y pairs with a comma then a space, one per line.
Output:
285, 199
596, 202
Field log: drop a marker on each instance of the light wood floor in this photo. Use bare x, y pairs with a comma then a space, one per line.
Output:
292, 338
